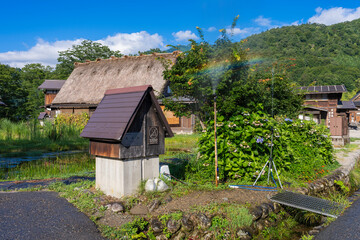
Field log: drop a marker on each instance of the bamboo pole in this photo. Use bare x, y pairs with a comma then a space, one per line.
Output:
216, 155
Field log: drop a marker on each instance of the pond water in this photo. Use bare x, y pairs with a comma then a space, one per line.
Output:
11, 162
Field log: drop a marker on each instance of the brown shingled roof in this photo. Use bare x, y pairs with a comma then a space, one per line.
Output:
89, 81
117, 110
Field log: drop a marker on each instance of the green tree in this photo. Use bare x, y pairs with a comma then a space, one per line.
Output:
205, 71
222, 70
328, 55
32, 76
11, 92
274, 92
87, 50
18, 89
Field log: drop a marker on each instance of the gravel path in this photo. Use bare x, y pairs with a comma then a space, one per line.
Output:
42, 215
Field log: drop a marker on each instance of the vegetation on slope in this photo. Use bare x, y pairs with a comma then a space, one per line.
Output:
323, 55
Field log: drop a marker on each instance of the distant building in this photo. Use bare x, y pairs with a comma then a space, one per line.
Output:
322, 103
50, 88
87, 84
355, 114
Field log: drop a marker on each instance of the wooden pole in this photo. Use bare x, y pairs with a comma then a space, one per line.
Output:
216, 155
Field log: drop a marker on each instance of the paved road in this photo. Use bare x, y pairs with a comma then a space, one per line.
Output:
345, 227
42, 215
354, 133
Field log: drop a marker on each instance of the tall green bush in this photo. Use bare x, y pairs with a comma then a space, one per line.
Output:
244, 143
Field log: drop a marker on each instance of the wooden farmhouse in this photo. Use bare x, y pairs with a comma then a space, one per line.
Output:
87, 84
51, 89
322, 103
127, 134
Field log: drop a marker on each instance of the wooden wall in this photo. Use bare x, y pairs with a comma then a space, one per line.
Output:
49, 97
104, 149
328, 104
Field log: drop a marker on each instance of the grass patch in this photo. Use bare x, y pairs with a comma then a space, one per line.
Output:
348, 148
24, 136
131, 230
227, 220
61, 167
284, 230
23, 146
355, 177
353, 139
182, 143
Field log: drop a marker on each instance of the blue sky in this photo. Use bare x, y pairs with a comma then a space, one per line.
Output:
34, 31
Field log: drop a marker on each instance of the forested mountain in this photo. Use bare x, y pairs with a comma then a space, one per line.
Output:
315, 54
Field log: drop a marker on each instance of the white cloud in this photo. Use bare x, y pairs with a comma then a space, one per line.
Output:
265, 22
296, 23
334, 15
133, 42
211, 29
47, 52
244, 32
43, 52
181, 36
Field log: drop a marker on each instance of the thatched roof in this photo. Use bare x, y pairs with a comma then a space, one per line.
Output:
89, 81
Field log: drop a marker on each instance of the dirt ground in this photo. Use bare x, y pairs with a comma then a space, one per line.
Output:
188, 203
202, 198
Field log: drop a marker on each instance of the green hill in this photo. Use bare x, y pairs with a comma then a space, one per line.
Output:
319, 54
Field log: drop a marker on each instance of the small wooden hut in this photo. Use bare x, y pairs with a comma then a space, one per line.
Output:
127, 134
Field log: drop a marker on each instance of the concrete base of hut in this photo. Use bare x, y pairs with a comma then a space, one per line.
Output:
339, 141
118, 178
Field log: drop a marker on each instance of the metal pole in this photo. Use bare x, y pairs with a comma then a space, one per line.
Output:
216, 157
262, 171
277, 174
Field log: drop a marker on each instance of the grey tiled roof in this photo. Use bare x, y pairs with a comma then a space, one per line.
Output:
346, 105
324, 89
42, 115
52, 84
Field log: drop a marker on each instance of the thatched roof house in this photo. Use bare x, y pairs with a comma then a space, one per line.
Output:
89, 81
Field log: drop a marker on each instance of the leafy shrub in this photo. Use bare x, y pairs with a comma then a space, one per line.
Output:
244, 143
78, 120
